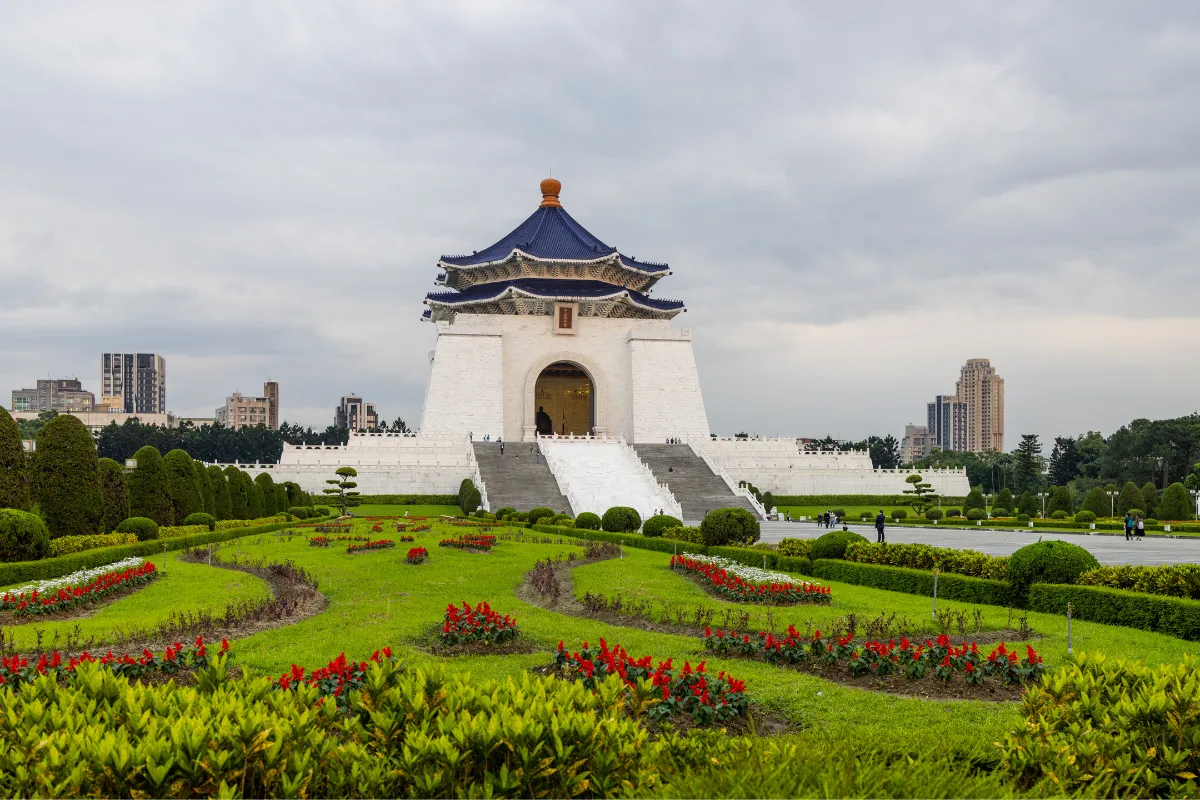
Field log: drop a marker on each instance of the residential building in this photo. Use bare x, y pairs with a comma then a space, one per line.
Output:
916, 444
981, 391
355, 414
947, 422
271, 390
58, 394
137, 380
241, 411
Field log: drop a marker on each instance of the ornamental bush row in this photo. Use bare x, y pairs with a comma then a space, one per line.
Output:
65, 545
843, 500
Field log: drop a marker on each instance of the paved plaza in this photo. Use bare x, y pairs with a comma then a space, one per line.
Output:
1107, 549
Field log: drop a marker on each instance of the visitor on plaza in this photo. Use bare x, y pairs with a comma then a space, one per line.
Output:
879, 527
1141, 528
1128, 526
500, 441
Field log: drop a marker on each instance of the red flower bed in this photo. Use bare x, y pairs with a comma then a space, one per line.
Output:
16, 670
881, 658
480, 624
337, 679
377, 529
408, 538
382, 544
735, 588
691, 691
70, 597
470, 542
417, 555
324, 541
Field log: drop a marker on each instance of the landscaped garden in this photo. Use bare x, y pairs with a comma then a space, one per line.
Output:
441, 665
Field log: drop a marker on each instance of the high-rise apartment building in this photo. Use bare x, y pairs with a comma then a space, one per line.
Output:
981, 390
355, 414
241, 411
136, 381
58, 394
916, 444
947, 422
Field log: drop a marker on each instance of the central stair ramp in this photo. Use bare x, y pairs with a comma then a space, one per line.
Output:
597, 473
516, 479
696, 481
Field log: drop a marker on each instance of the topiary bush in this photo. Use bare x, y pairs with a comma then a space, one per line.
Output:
1175, 503
506, 511
1022, 518
1085, 517
659, 523
300, 512
14, 472
954, 512
147, 485
588, 521
795, 548
621, 519
841, 513
143, 528
1050, 561
933, 514
181, 485
1136, 512
534, 514
689, 534
1059, 514
115, 497
201, 518
834, 544
23, 536
999, 512
66, 479
975, 514
730, 526
559, 519
469, 499
899, 514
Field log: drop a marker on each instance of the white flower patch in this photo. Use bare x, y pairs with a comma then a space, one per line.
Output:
745, 572
83, 576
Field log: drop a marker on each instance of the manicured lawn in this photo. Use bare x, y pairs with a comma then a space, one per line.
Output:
413, 511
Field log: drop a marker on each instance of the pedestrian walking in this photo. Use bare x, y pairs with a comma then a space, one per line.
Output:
879, 527
1141, 528
501, 441
1128, 526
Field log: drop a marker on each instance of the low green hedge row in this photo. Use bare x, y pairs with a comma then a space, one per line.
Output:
47, 568
832, 501
407, 499
916, 581
1149, 612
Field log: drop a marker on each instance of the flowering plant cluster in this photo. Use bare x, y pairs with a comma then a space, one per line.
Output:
408, 538
79, 577
691, 691
464, 624
68, 597
382, 544
469, 541
337, 679
16, 670
325, 541
881, 658
377, 528
746, 585
402, 528
466, 523
327, 528
417, 555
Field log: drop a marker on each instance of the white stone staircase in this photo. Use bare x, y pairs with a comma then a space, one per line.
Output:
596, 474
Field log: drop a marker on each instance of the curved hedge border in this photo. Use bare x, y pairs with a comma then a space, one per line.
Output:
25, 571
918, 581
1173, 616
407, 499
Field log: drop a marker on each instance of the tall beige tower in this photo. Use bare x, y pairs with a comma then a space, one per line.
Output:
981, 390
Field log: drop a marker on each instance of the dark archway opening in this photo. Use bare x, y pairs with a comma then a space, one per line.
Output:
564, 401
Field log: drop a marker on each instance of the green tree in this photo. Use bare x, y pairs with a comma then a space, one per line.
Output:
281, 499
266, 485
974, 499
239, 493
1130, 497
1175, 503
1060, 500
116, 496
205, 486
256, 508
30, 428
181, 485
14, 469
220, 490
1064, 461
923, 496
147, 484
341, 486
1028, 464
1003, 500
1027, 503
1150, 499
66, 481
1097, 502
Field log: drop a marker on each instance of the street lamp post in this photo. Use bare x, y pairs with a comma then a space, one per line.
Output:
987, 499
1112, 503
1196, 500
1043, 495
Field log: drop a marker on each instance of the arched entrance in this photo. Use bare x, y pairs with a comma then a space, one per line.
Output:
564, 400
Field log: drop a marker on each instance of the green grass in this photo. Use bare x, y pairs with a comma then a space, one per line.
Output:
414, 511
185, 587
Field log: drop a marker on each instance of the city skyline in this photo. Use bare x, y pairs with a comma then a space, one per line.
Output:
865, 219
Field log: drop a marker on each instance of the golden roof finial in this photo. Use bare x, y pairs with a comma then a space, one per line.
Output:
550, 190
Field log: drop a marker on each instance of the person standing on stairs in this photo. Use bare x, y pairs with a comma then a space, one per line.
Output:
500, 440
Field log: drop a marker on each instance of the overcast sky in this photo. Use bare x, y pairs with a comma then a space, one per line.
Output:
854, 198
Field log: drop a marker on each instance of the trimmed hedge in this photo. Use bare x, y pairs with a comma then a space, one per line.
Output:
25, 571
915, 581
144, 528
115, 497
201, 518
408, 499
22, 535
1149, 612
621, 519
65, 478
834, 544
659, 524
1050, 561
636, 540
588, 521
842, 500
729, 526
65, 545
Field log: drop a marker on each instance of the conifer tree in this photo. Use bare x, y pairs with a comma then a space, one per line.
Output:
256, 508
220, 491
239, 500
204, 485
66, 480
1150, 499
14, 467
1028, 504
1175, 503
116, 496
267, 486
181, 485
1004, 500
974, 499
1130, 498
281, 499
147, 484
1097, 502
1060, 500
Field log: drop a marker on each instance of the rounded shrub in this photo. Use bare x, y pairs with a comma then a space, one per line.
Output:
1085, 517
66, 478
558, 519
999, 512
322, 511
469, 498
899, 514
143, 528
201, 518
1022, 518
974, 514
23, 536
954, 512
730, 526
834, 544
841, 513
300, 512
621, 519
1136, 512
1058, 514
933, 514
659, 524
588, 521
506, 511
543, 521
865, 516
534, 514
1050, 561
1151, 521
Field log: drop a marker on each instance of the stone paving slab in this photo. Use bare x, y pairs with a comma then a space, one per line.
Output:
1107, 549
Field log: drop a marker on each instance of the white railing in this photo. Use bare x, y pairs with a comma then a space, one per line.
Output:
667, 501
740, 491
477, 477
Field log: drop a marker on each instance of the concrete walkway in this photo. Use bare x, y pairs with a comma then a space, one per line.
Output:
1148, 550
